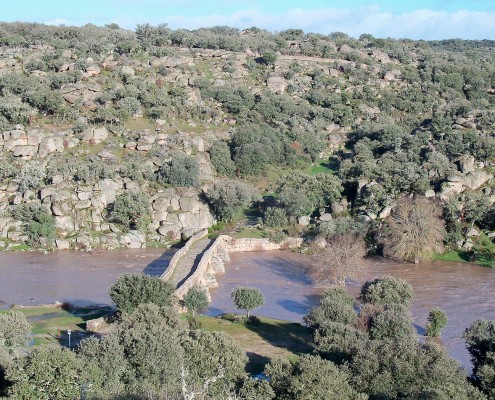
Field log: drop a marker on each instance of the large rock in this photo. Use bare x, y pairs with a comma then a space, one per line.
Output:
277, 84
134, 240
475, 179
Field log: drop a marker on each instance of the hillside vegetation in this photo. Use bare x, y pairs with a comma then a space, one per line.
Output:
115, 138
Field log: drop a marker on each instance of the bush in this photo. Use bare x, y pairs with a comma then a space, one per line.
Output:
392, 323
30, 177
336, 306
39, 224
195, 299
275, 217
182, 170
387, 290
221, 159
437, 320
132, 290
131, 209
229, 197
247, 298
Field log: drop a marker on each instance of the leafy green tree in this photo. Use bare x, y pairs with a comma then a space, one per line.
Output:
104, 365
131, 209
437, 320
480, 340
15, 333
228, 197
182, 170
387, 290
195, 299
275, 217
221, 159
39, 224
393, 322
310, 378
150, 337
48, 372
132, 290
247, 298
407, 369
213, 362
336, 305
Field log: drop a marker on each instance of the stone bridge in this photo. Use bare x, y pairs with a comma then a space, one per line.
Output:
201, 259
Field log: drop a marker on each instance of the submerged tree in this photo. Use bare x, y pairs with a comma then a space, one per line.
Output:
339, 260
415, 230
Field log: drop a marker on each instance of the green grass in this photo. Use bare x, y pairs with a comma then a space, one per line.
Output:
49, 320
271, 339
323, 167
250, 233
456, 256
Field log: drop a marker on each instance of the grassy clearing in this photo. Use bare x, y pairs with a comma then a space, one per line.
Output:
270, 339
250, 233
263, 342
48, 321
456, 256
321, 168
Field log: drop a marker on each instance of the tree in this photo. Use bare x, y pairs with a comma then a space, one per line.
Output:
182, 170
414, 230
437, 320
387, 290
39, 223
247, 298
480, 340
310, 378
408, 369
131, 209
195, 299
132, 290
228, 197
393, 322
336, 305
48, 372
342, 258
15, 333
221, 158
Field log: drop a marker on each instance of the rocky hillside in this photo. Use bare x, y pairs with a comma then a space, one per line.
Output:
115, 138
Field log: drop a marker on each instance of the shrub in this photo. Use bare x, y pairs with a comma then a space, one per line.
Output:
247, 298
195, 299
131, 209
229, 197
336, 306
437, 320
30, 177
387, 290
392, 323
275, 217
182, 170
132, 290
221, 159
39, 224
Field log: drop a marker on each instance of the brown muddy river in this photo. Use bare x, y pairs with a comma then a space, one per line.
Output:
31, 278
463, 291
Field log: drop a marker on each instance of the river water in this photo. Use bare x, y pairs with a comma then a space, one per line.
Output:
31, 278
463, 291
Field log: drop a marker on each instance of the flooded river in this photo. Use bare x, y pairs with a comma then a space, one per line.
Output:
463, 291
31, 278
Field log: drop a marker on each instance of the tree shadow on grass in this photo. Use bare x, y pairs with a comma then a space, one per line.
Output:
291, 336
256, 363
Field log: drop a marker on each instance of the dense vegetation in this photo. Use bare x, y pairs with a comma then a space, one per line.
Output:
152, 353
376, 119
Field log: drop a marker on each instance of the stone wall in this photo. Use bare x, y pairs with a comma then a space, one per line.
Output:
180, 253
